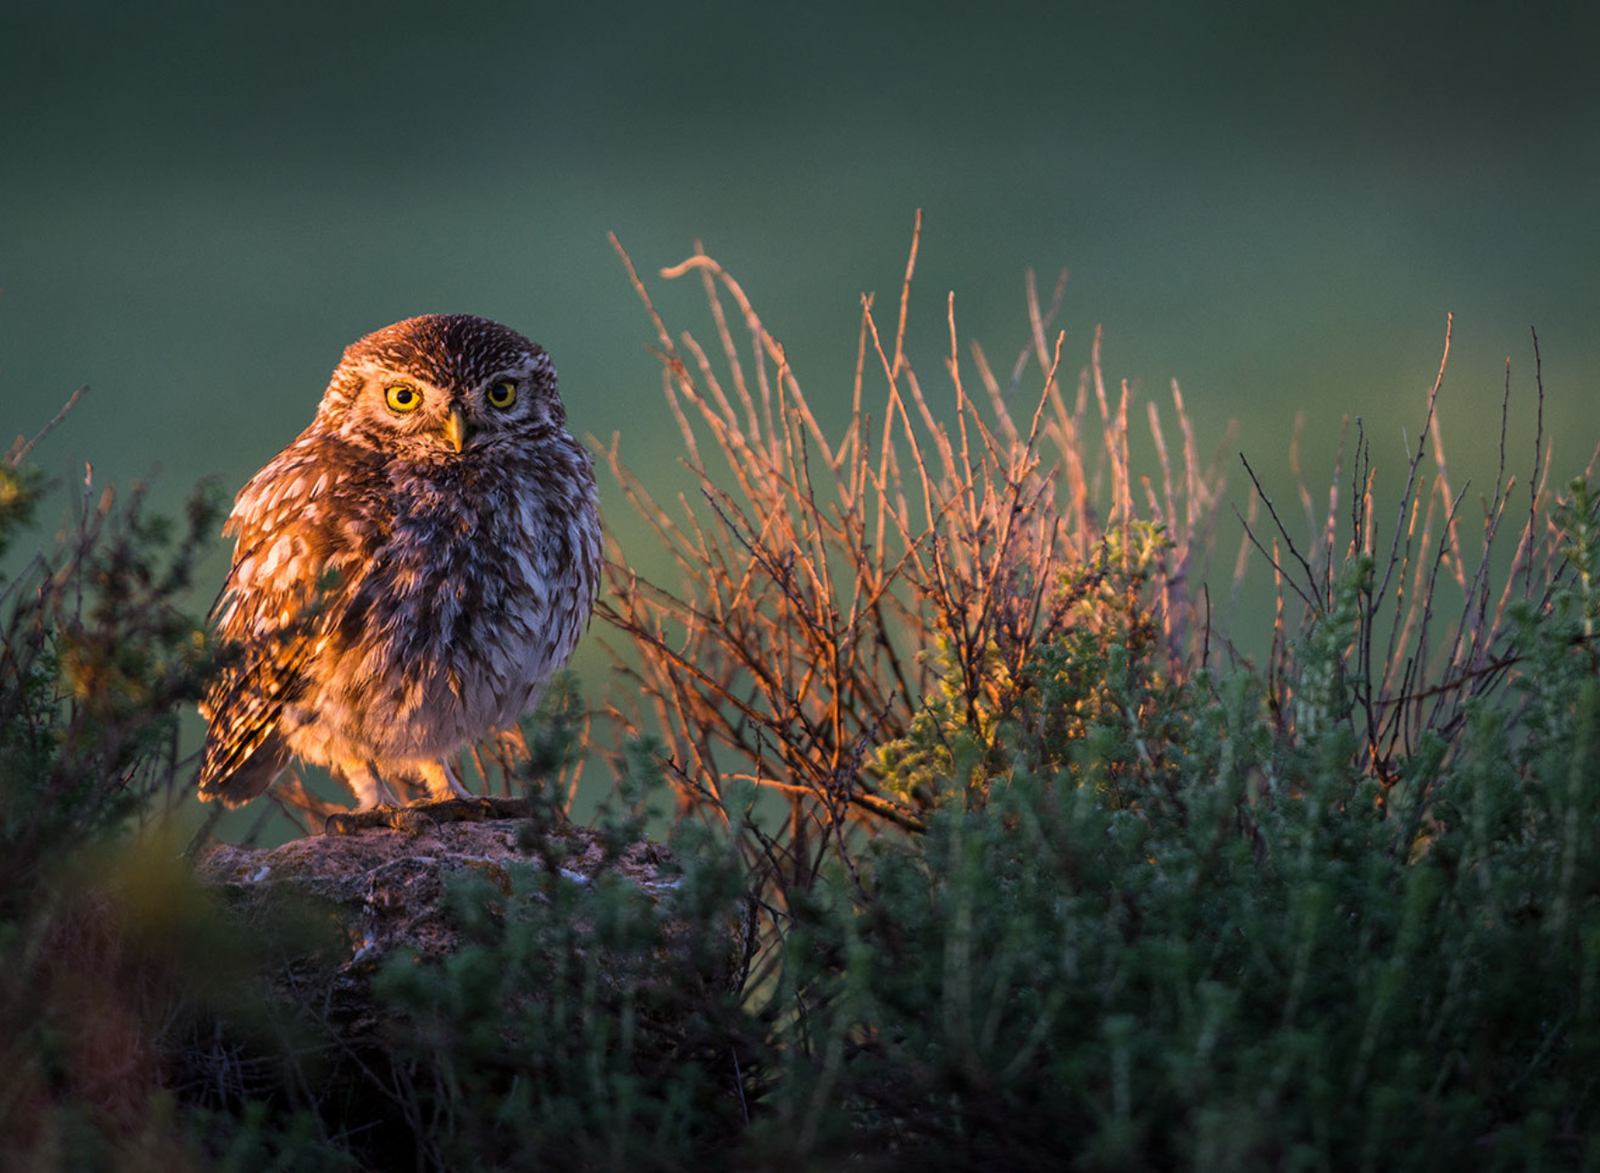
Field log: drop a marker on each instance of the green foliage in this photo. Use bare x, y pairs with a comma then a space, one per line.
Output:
108, 948
96, 656
585, 1021
1577, 609
1244, 953
19, 496
1097, 702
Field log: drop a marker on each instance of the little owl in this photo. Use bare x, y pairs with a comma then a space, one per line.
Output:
409, 572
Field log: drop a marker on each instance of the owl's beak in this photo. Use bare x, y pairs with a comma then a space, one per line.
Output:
455, 429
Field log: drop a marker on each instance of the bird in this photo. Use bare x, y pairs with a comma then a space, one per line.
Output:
408, 573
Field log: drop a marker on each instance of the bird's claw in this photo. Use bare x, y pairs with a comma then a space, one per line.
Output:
421, 817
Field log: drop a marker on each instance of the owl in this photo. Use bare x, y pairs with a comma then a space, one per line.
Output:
407, 573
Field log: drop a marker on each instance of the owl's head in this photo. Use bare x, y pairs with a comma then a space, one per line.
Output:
442, 386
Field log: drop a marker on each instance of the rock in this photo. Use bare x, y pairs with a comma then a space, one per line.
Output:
405, 984
388, 883
385, 891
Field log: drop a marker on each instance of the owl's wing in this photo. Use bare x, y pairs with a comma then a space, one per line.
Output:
271, 614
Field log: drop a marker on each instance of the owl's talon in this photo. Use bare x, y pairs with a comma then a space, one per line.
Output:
361, 819
472, 809
413, 821
422, 817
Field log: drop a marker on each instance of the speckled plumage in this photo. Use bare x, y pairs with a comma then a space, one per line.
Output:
404, 582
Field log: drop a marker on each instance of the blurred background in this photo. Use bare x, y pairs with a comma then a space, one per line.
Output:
1274, 204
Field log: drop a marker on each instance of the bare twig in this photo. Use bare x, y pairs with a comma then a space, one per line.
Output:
19, 450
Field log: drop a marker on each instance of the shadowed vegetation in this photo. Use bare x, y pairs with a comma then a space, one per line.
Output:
1028, 864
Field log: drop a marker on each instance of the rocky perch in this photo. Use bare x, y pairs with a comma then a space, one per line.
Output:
393, 950
385, 883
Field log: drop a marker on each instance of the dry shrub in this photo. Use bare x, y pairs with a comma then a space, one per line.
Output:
819, 573
1417, 624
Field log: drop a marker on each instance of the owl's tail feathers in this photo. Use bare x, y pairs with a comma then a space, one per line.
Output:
236, 777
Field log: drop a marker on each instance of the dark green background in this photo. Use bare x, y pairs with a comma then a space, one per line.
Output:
1276, 204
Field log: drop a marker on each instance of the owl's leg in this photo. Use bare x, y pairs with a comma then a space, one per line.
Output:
441, 781
368, 785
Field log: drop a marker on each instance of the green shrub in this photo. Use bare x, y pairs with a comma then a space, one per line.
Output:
108, 949
1251, 956
585, 1022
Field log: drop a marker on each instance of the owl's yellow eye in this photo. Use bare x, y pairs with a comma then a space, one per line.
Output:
503, 394
402, 398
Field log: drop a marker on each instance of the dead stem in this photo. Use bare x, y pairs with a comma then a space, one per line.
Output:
794, 646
